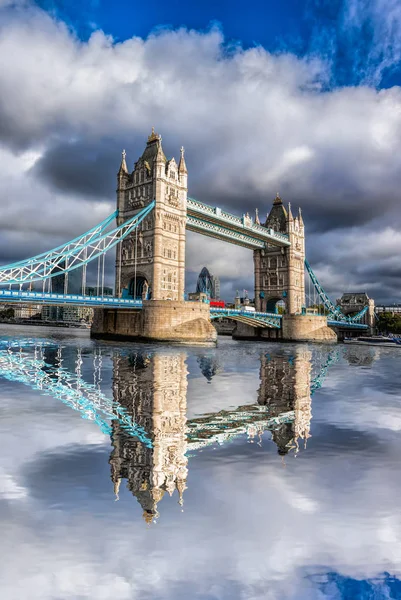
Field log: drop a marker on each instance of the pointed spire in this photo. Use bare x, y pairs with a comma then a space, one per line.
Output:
301, 221
117, 488
181, 487
153, 136
257, 217
160, 156
277, 199
290, 216
182, 167
123, 166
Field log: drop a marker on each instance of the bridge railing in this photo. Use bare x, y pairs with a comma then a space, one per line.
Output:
246, 313
79, 299
233, 219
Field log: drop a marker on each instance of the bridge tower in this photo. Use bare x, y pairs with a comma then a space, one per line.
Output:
285, 385
279, 272
151, 262
153, 390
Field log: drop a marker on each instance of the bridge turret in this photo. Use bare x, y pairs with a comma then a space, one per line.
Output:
122, 182
300, 219
182, 169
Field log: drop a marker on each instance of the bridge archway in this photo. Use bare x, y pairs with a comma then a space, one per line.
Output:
276, 304
138, 286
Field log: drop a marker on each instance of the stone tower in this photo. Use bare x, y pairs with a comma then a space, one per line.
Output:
151, 261
153, 390
285, 385
279, 272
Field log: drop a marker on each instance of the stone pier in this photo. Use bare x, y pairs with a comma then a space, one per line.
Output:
158, 321
295, 328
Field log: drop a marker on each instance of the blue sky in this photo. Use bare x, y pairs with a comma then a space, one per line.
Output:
303, 27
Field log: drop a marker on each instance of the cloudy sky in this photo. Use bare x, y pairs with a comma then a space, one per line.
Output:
303, 98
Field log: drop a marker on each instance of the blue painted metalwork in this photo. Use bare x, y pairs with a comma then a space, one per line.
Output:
71, 255
335, 316
25, 296
255, 319
242, 231
222, 427
16, 364
317, 381
63, 249
346, 324
327, 303
220, 232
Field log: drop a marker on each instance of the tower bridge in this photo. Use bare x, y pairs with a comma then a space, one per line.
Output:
153, 214
146, 415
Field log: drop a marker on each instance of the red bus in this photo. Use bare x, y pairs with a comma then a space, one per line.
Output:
217, 303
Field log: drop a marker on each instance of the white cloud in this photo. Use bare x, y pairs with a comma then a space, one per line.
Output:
252, 122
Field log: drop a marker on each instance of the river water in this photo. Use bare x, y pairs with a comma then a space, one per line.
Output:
249, 471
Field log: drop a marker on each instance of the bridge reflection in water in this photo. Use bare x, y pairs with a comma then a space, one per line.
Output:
152, 388
146, 417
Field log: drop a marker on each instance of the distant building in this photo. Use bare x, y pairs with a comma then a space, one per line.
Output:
208, 284
74, 283
352, 303
27, 311
68, 314
216, 287
394, 309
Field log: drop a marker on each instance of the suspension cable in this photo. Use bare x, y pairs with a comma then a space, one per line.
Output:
66, 277
103, 259
83, 291
98, 274
136, 256
119, 269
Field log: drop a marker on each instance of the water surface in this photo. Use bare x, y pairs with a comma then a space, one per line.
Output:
249, 471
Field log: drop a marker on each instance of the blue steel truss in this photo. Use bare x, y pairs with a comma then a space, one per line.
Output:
242, 231
335, 317
72, 255
255, 319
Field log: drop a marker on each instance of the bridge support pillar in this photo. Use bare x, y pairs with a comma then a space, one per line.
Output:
159, 320
242, 331
307, 328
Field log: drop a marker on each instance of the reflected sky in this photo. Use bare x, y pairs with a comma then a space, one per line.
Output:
272, 472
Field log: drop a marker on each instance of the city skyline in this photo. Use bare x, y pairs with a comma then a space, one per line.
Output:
313, 112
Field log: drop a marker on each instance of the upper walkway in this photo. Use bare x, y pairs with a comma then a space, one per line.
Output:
242, 231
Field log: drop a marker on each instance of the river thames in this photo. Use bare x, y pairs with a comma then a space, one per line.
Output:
249, 471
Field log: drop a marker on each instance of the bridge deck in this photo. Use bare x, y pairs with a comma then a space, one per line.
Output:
259, 319
24, 296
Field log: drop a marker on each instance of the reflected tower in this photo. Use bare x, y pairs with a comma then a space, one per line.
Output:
153, 389
286, 386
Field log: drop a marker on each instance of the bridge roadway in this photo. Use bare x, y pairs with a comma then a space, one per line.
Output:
255, 319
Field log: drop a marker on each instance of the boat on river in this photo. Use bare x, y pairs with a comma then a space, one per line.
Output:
375, 340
